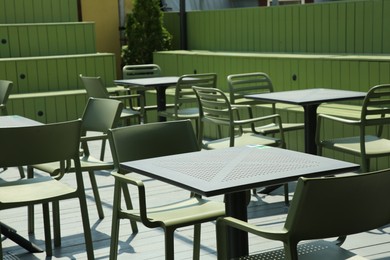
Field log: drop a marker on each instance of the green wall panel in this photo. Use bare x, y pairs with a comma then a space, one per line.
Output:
55, 73
26, 40
22, 11
329, 27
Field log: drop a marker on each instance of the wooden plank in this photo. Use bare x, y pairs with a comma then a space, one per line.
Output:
33, 40
43, 40
341, 28
303, 29
13, 40
386, 28
359, 25
377, 26
368, 27
350, 28
23, 41
334, 26
4, 42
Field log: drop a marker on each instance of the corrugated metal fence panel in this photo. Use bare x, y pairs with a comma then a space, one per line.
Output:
332, 27
43, 39
38, 11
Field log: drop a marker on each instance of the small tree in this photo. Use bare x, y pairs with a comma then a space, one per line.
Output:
145, 33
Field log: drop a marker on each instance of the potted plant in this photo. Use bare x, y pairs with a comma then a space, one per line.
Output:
145, 33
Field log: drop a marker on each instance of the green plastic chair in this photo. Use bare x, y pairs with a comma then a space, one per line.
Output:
216, 109
99, 116
256, 83
96, 89
36, 145
147, 141
5, 91
142, 71
186, 104
369, 143
322, 208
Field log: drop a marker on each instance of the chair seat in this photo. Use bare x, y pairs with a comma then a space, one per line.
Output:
244, 139
374, 145
34, 189
126, 112
184, 212
274, 128
182, 113
87, 163
308, 251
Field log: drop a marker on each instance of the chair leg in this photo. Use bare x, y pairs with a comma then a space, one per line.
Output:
286, 198
86, 226
1, 246
129, 205
169, 244
103, 149
21, 172
96, 194
46, 221
56, 223
115, 220
30, 208
197, 234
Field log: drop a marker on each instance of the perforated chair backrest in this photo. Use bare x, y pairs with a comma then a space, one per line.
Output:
101, 114
152, 140
141, 71
247, 84
95, 87
337, 206
39, 144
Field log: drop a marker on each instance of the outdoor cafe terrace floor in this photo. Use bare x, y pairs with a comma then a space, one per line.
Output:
267, 210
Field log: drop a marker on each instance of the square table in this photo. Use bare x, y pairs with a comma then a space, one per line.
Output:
309, 99
160, 84
233, 171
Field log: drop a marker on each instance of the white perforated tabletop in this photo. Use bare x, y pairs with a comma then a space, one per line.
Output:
233, 171
222, 171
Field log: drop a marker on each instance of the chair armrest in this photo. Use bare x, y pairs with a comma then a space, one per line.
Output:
273, 234
338, 119
125, 96
93, 137
321, 117
224, 222
123, 179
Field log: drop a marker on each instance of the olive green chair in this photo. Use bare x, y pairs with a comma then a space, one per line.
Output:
215, 108
147, 141
256, 83
185, 103
43, 144
99, 116
137, 72
322, 208
369, 141
5, 91
96, 89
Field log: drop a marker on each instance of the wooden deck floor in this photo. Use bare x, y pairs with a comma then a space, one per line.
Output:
268, 210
